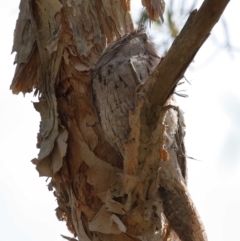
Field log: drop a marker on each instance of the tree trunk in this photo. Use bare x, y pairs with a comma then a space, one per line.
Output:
100, 194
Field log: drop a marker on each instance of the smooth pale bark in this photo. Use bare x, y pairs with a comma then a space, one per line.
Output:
99, 195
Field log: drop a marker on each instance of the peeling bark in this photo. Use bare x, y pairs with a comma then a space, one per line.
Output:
100, 195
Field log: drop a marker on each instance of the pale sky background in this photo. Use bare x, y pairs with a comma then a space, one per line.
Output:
212, 114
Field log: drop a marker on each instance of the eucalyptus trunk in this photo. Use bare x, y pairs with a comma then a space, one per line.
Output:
101, 194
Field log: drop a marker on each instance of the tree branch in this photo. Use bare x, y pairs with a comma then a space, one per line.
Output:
196, 30
155, 126
63, 42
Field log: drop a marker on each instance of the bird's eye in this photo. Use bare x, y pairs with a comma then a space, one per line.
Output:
143, 36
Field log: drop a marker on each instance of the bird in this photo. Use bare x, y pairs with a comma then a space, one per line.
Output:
124, 65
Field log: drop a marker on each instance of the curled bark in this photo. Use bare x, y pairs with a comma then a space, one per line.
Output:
99, 195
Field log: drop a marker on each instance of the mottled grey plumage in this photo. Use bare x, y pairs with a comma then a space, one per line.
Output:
125, 64
178, 206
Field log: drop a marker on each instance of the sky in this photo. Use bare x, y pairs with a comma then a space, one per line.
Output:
212, 116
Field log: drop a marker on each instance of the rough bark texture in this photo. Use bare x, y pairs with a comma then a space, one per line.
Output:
100, 195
